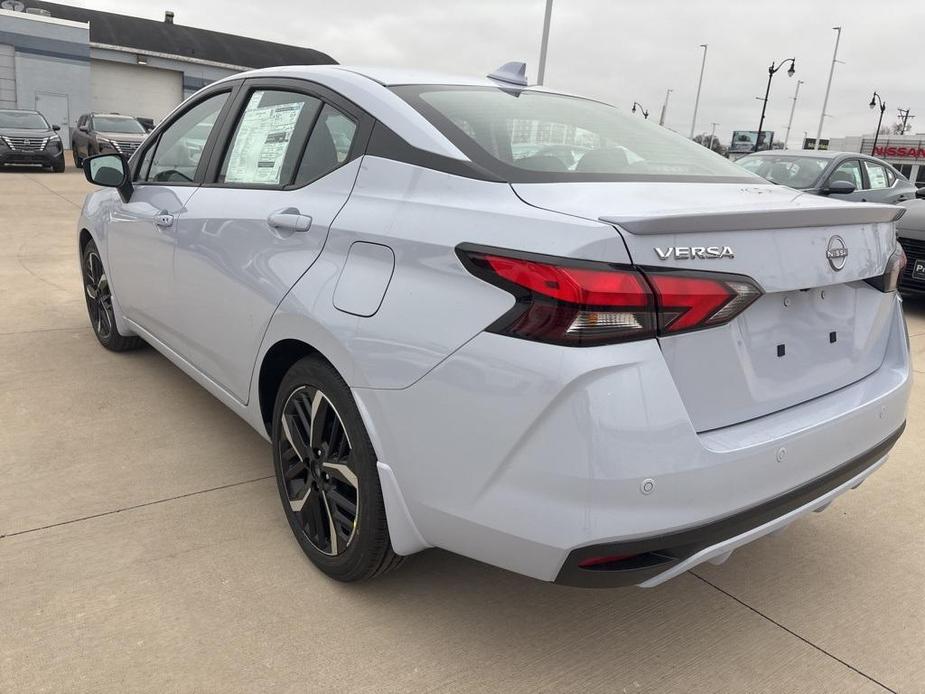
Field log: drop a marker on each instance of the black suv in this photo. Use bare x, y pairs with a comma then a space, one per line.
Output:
27, 138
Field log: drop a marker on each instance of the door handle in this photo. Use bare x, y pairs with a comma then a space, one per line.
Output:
163, 219
291, 219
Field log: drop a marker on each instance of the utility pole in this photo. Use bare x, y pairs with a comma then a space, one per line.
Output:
703, 65
661, 118
792, 109
828, 86
904, 117
544, 43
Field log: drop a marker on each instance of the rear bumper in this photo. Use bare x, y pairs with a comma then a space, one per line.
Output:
533, 457
675, 553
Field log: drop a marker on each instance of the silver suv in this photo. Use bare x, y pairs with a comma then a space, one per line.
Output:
599, 369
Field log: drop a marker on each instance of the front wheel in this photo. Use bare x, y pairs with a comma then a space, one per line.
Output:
99, 303
78, 160
326, 474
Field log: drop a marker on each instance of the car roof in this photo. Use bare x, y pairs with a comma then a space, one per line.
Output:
819, 153
18, 110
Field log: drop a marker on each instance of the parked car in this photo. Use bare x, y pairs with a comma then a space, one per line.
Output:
99, 133
911, 233
851, 176
27, 138
596, 377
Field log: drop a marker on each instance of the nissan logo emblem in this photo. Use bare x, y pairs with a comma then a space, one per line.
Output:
837, 253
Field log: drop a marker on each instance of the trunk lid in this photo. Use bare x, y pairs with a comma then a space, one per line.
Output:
818, 327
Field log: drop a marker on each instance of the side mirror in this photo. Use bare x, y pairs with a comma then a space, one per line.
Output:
83, 128
839, 188
110, 171
920, 194
56, 128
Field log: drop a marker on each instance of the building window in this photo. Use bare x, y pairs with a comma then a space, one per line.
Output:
904, 169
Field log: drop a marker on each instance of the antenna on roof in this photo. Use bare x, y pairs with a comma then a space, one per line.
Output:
511, 73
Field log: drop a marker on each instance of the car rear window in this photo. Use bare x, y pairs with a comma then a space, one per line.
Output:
531, 136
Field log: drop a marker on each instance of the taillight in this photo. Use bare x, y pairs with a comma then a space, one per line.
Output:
888, 281
584, 303
563, 301
695, 300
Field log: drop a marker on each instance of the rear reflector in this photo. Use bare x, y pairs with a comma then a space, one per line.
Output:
585, 303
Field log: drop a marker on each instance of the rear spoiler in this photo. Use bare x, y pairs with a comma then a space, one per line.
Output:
751, 219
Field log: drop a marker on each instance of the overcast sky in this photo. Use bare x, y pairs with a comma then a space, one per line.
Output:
620, 51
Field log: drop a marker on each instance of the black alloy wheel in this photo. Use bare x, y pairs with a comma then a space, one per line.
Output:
327, 474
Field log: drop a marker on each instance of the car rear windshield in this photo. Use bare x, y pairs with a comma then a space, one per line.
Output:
110, 124
24, 120
795, 172
530, 136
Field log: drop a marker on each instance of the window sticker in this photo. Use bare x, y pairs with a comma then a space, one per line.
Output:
261, 142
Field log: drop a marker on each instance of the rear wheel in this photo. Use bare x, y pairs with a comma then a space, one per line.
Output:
326, 474
99, 303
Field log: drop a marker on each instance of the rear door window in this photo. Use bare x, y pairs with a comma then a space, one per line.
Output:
877, 175
328, 147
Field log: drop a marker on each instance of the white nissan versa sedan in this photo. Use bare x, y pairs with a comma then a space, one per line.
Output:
596, 370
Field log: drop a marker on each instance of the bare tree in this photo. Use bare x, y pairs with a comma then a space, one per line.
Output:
711, 142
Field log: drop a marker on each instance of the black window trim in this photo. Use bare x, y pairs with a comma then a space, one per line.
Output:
326, 96
153, 140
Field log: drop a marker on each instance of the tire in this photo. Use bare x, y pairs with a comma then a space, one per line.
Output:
330, 481
99, 303
78, 160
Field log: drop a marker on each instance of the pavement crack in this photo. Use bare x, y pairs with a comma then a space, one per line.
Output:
135, 506
53, 192
793, 633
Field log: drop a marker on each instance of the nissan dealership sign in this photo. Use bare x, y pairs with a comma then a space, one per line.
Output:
913, 151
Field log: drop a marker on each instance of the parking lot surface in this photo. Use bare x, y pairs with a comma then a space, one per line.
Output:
143, 548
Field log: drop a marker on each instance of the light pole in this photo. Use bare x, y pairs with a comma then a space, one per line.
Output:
772, 70
712, 136
645, 112
703, 65
874, 100
828, 86
792, 109
544, 42
661, 118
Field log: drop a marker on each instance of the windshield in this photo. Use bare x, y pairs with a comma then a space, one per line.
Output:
116, 124
795, 172
24, 120
527, 136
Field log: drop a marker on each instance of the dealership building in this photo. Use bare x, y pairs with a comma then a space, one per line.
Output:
65, 61
905, 152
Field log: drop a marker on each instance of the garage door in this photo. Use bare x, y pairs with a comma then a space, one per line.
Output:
134, 90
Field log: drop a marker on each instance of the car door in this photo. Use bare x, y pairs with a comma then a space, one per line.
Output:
142, 231
849, 170
286, 165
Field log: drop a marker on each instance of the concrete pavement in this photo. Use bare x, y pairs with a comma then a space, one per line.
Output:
142, 548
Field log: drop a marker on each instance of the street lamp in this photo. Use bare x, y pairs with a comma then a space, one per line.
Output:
645, 112
771, 72
874, 100
703, 65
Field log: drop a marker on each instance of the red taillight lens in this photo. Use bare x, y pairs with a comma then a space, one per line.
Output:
564, 301
584, 303
691, 301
